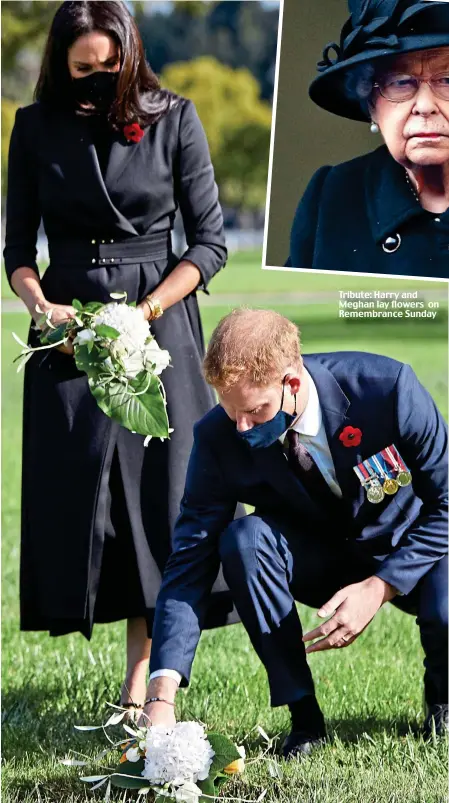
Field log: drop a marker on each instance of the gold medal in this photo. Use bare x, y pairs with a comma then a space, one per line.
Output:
390, 486
404, 478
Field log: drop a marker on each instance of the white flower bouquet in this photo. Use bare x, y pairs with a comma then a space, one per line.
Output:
182, 763
113, 345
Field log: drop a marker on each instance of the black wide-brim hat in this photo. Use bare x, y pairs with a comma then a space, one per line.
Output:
375, 29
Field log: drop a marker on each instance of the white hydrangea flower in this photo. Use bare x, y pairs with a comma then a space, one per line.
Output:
132, 347
129, 321
156, 356
84, 336
176, 755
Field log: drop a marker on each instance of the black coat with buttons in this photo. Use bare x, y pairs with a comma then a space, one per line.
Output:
363, 216
98, 508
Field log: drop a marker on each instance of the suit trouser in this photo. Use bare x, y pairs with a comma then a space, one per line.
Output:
267, 570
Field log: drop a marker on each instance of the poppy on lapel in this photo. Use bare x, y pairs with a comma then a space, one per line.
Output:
350, 436
133, 132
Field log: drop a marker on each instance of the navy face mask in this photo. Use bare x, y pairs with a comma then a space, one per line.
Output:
99, 88
263, 435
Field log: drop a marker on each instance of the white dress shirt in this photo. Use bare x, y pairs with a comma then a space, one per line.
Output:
310, 427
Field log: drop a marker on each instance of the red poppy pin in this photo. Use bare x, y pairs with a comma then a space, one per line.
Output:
133, 132
350, 436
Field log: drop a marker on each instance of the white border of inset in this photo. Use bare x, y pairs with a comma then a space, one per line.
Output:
273, 129
349, 273
268, 198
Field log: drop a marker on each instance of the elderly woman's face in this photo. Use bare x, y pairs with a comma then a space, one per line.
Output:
416, 131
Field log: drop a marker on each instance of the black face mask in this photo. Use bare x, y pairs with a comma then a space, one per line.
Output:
99, 89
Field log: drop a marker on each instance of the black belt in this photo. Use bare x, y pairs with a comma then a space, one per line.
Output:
99, 252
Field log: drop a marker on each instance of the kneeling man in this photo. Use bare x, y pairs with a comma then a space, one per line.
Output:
343, 456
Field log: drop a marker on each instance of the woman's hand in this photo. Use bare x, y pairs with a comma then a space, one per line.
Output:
145, 310
182, 281
60, 313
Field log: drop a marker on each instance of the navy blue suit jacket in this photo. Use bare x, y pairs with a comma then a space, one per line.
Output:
407, 531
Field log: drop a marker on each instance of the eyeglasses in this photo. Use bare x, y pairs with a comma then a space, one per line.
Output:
399, 88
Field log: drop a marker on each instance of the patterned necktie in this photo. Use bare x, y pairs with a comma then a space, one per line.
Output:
306, 470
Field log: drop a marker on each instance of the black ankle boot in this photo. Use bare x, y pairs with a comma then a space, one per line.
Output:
437, 720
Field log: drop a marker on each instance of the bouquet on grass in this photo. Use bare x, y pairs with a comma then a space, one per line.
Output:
182, 763
113, 345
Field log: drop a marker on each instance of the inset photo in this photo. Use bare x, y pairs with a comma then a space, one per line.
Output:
360, 148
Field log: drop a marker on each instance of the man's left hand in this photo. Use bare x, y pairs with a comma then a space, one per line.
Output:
352, 609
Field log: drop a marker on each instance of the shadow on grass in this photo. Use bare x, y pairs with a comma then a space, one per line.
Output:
350, 731
352, 728
36, 719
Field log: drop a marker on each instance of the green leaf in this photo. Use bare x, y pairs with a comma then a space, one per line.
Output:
90, 346
220, 781
54, 335
130, 768
132, 304
107, 331
225, 752
208, 787
145, 414
93, 306
85, 362
77, 304
139, 382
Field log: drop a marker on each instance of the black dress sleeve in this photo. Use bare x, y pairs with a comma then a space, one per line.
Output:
22, 205
305, 223
197, 195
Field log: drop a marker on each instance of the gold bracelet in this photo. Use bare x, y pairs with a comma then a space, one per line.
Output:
155, 307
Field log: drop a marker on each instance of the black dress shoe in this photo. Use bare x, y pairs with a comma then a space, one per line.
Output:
301, 743
437, 718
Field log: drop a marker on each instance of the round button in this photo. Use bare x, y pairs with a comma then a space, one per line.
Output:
94, 242
112, 241
392, 244
103, 241
111, 260
93, 261
437, 220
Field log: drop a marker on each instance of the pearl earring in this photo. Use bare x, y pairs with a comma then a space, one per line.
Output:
374, 128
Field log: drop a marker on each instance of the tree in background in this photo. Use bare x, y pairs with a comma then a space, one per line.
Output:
9, 108
24, 30
242, 167
237, 124
238, 33
24, 26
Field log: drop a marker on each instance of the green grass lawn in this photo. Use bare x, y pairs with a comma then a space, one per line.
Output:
371, 692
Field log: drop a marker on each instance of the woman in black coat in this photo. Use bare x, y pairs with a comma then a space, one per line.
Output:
386, 212
96, 520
